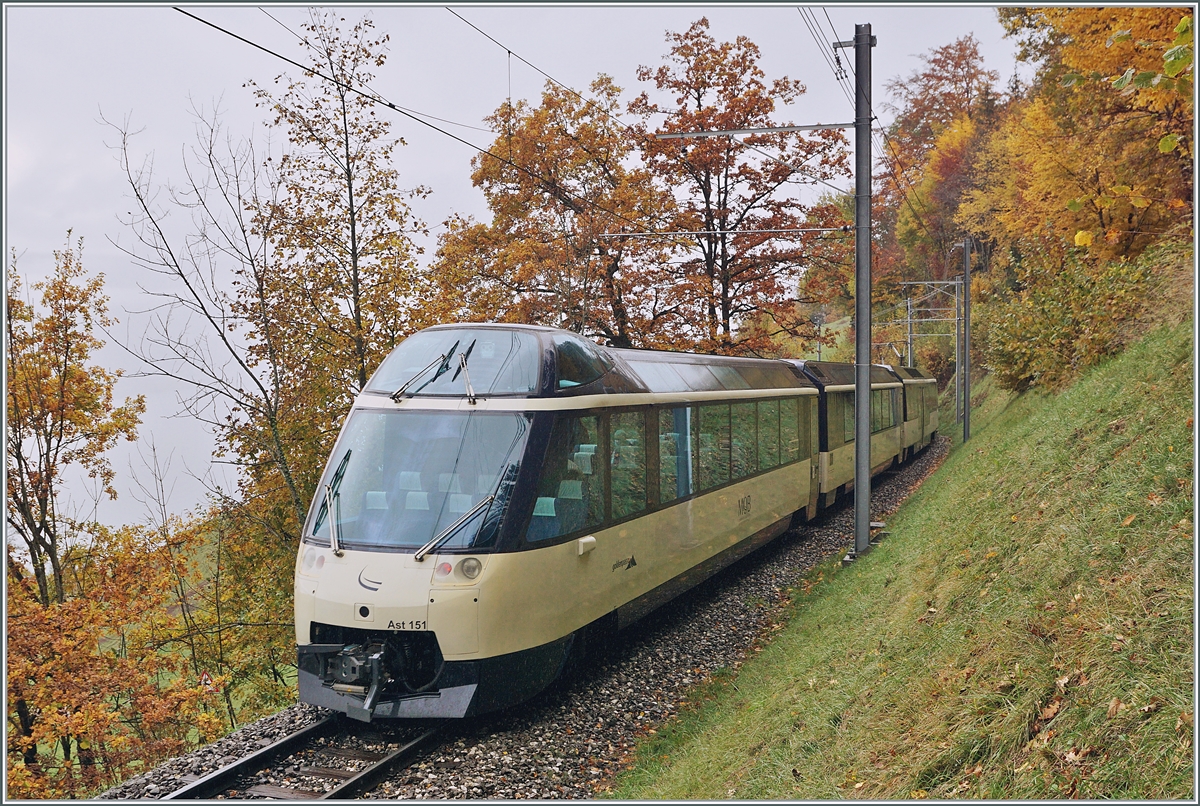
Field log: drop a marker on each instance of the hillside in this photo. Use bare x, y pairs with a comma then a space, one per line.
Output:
1026, 631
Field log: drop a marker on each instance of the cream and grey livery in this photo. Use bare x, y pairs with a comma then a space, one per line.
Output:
903, 419
499, 494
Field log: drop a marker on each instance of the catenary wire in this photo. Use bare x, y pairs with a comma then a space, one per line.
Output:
304, 41
394, 107
620, 122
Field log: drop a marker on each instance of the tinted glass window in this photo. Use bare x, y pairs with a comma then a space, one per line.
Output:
768, 434
848, 418
571, 486
674, 453
498, 362
399, 478
744, 441
729, 377
659, 377
698, 377
713, 441
789, 429
579, 362
628, 430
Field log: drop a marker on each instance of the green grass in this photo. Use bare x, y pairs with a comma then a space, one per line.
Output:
1025, 631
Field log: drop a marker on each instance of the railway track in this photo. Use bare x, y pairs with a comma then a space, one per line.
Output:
328, 760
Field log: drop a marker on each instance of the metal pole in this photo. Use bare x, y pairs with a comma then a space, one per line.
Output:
966, 339
863, 41
911, 362
957, 355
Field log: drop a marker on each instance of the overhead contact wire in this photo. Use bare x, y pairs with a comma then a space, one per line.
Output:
378, 100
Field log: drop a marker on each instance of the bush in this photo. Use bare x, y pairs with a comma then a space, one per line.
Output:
1066, 314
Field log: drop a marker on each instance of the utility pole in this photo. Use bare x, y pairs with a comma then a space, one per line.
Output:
862, 44
957, 353
966, 416
909, 320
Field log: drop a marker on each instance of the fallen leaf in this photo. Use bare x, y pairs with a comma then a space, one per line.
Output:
918, 794
1115, 707
1152, 706
1061, 682
1185, 719
1015, 518
1129, 520
1051, 710
860, 784
1049, 605
1155, 499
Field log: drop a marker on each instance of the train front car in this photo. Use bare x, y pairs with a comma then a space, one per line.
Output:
498, 491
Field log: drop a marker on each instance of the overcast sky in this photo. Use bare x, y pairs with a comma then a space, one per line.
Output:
67, 66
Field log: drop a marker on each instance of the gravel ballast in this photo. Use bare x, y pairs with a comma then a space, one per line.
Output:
569, 741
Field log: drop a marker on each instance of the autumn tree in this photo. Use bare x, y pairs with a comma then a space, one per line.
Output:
347, 281
84, 699
560, 179
739, 198
943, 113
60, 411
1082, 176
290, 279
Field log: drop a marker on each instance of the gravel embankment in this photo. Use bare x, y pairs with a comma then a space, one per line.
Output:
569, 741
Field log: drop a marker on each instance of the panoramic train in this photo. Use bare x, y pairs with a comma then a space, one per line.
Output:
499, 493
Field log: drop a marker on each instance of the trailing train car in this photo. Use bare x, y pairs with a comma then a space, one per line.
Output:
498, 493
920, 408
836, 434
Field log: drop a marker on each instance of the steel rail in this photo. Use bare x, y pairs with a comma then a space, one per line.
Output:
360, 783
220, 780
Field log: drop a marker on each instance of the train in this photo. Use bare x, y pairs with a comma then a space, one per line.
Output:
500, 495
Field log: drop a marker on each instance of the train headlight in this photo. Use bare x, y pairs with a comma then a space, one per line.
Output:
470, 567
443, 569
310, 557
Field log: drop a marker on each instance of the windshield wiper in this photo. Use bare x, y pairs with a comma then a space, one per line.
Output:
445, 365
449, 530
334, 542
327, 506
462, 367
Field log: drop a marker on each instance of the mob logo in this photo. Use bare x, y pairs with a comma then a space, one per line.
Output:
369, 584
743, 507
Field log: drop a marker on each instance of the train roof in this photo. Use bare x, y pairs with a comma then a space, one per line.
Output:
584, 367
910, 373
832, 373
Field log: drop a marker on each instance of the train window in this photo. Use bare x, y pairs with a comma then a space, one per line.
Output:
805, 433
744, 442
579, 362
713, 441
789, 429
768, 434
659, 377
698, 377
729, 377
500, 362
876, 410
571, 485
387, 481
674, 453
628, 431
848, 418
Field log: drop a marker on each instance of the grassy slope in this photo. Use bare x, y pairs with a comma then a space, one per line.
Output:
1026, 631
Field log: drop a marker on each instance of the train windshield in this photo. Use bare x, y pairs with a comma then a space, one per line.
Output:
499, 362
400, 478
